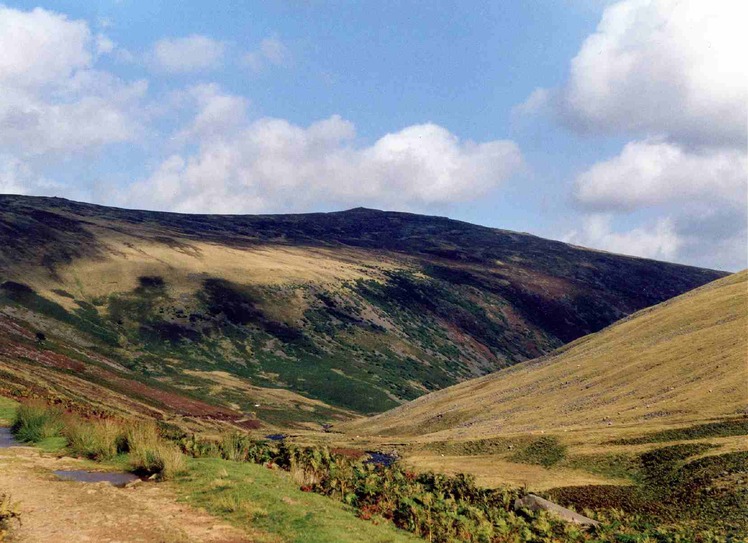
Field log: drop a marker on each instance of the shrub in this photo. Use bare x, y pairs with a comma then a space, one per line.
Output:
100, 439
35, 421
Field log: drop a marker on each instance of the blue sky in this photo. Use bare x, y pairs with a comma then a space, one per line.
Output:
619, 126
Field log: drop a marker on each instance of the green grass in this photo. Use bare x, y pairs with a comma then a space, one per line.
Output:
545, 451
253, 496
7, 411
35, 422
612, 466
727, 428
54, 444
98, 439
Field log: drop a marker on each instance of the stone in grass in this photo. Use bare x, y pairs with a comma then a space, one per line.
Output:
536, 503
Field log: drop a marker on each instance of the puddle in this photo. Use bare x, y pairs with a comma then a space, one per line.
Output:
82, 476
7, 439
380, 459
276, 437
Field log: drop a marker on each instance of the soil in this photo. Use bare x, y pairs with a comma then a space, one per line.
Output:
56, 511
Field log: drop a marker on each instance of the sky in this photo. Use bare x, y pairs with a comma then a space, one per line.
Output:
621, 126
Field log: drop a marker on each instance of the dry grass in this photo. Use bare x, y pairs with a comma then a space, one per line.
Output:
96, 439
149, 453
491, 471
680, 362
186, 263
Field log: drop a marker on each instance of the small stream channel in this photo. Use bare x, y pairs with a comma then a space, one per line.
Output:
7, 439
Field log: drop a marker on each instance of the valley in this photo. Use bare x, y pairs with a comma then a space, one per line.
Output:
281, 350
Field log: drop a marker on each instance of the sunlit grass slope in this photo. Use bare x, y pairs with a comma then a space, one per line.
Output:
682, 361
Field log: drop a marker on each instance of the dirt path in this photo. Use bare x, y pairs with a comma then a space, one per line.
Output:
54, 511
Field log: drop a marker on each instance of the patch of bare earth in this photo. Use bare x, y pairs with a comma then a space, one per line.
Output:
54, 511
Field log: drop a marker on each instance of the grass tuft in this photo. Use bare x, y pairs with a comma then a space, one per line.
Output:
151, 454
96, 439
36, 421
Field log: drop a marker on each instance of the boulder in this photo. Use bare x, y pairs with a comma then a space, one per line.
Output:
536, 503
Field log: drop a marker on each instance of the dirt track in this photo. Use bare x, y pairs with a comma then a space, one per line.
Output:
54, 511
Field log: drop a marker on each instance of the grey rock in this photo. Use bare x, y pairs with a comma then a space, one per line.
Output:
536, 503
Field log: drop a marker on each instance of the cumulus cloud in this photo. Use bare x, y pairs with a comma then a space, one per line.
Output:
648, 173
39, 47
664, 67
272, 164
671, 74
659, 241
51, 98
217, 114
271, 51
188, 54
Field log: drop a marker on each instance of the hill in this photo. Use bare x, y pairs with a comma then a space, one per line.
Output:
289, 319
680, 362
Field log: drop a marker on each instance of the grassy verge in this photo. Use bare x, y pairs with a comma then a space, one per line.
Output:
7, 411
255, 497
35, 422
141, 443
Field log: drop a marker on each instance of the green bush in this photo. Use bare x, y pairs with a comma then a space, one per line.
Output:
35, 421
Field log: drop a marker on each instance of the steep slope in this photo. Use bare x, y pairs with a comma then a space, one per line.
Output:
684, 360
360, 310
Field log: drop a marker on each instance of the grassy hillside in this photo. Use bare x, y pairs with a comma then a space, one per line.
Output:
289, 319
649, 416
683, 361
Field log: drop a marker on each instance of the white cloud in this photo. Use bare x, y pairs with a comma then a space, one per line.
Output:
672, 75
648, 173
660, 241
40, 47
218, 114
538, 101
189, 54
104, 45
53, 102
271, 164
271, 51
664, 67
16, 177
